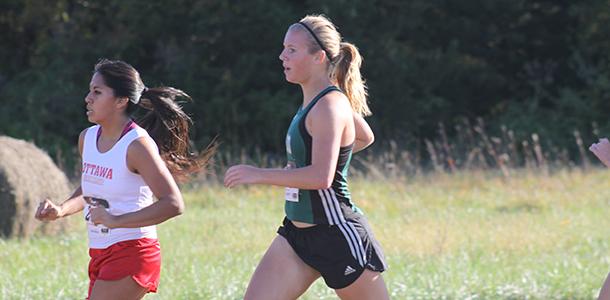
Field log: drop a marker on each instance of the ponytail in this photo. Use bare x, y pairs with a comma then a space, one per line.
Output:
344, 59
168, 125
163, 118
346, 72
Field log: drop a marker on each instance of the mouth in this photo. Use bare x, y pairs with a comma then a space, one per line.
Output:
89, 111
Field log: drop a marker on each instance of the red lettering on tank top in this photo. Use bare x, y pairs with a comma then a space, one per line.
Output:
103, 172
97, 171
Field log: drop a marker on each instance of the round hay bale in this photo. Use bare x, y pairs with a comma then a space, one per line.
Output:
27, 175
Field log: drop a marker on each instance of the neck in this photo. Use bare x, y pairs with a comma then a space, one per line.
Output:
113, 127
313, 86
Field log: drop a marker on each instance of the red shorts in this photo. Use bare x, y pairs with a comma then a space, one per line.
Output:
140, 259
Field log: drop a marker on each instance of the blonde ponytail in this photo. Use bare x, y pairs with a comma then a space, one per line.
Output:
344, 59
346, 73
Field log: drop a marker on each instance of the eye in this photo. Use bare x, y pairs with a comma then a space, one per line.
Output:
97, 92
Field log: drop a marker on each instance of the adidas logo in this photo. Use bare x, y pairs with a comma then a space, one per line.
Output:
349, 270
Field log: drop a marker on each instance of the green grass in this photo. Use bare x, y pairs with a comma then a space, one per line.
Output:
464, 236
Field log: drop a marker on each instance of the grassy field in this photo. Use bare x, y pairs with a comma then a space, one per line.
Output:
462, 236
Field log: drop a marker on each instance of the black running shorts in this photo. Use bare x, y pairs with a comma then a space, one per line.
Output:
339, 252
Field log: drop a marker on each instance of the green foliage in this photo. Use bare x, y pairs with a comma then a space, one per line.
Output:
534, 66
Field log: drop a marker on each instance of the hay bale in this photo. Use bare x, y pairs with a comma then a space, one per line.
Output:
27, 175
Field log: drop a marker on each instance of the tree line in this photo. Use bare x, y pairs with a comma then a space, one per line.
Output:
531, 66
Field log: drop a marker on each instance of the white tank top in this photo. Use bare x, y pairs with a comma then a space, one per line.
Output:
106, 176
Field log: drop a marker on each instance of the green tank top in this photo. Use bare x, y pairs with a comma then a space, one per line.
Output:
325, 206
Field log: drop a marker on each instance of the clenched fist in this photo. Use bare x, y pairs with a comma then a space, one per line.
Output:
48, 211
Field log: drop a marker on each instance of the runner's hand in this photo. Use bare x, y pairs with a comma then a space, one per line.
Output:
48, 211
99, 215
241, 174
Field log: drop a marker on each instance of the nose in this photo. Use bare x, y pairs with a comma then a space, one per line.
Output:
282, 57
88, 98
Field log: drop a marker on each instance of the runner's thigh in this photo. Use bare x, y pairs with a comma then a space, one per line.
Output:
281, 274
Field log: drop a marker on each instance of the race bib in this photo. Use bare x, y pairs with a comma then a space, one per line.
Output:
91, 201
292, 194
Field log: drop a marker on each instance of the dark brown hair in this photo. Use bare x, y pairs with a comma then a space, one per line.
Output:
163, 118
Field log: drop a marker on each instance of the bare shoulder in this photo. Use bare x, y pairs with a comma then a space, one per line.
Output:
142, 152
334, 103
82, 134
142, 146
81, 140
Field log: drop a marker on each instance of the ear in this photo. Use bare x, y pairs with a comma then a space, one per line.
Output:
320, 57
122, 102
